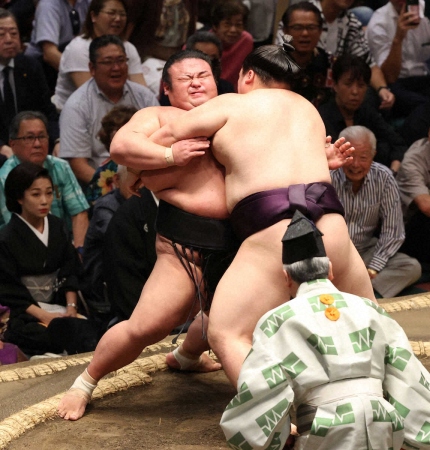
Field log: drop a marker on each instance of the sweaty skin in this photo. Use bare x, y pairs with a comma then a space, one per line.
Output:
266, 139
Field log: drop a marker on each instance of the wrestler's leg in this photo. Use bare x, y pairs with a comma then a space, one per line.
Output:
165, 303
349, 270
253, 284
191, 351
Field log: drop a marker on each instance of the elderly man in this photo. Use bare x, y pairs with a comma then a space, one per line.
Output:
29, 142
23, 84
254, 281
414, 183
370, 196
81, 116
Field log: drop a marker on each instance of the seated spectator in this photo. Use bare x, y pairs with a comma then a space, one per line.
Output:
414, 183
104, 208
129, 252
343, 34
159, 28
351, 77
23, 11
82, 114
370, 196
103, 17
55, 24
303, 22
103, 180
228, 23
209, 44
39, 270
400, 43
29, 142
26, 84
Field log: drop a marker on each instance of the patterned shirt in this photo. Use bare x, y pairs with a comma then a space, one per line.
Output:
325, 348
376, 206
69, 199
351, 39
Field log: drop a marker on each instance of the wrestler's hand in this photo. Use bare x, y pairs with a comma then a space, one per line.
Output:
188, 149
338, 154
134, 183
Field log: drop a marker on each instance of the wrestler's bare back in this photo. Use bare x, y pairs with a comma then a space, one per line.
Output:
198, 187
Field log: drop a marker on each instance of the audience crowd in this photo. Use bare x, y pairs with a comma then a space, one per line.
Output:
76, 74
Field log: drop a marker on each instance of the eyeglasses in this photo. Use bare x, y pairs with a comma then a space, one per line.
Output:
30, 140
229, 24
112, 13
301, 28
111, 62
75, 21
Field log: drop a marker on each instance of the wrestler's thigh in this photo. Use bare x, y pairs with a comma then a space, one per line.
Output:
167, 296
253, 284
350, 273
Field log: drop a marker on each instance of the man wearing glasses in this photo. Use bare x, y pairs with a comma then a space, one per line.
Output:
80, 119
29, 142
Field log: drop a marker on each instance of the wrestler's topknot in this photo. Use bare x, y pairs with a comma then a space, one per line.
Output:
287, 46
272, 62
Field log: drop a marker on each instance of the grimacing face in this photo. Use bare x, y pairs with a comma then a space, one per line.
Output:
192, 83
35, 152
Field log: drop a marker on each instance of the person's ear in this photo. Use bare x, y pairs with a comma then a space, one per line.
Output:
288, 279
165, 88
249, 77
91, 66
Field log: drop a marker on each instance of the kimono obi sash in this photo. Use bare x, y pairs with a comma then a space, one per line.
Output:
42, 287
338, 390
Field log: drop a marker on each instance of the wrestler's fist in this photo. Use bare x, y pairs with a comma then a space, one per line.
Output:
184, 151
338, 154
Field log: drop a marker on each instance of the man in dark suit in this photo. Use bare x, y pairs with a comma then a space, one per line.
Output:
22, 83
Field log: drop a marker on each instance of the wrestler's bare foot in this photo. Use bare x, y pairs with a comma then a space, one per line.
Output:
203, 364
72, 405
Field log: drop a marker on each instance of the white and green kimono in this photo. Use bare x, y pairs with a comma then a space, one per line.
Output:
340, 363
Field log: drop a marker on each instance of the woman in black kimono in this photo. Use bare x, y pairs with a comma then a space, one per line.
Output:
39, 270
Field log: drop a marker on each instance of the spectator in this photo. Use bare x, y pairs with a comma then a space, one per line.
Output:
414, 184
129, 252
23, 11
82, 114
370, 196
104, 209
228, 23
209, 44
103, 180
159, 28
303, 21
26, 83
400, 43
261, 19
343, 34
55, 24
103, 17
351, 77
39, 270
29, 142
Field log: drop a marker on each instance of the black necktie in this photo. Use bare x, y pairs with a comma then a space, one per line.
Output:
8, 97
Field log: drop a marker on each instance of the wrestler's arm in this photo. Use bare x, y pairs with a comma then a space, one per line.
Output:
203, 121
132, 145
